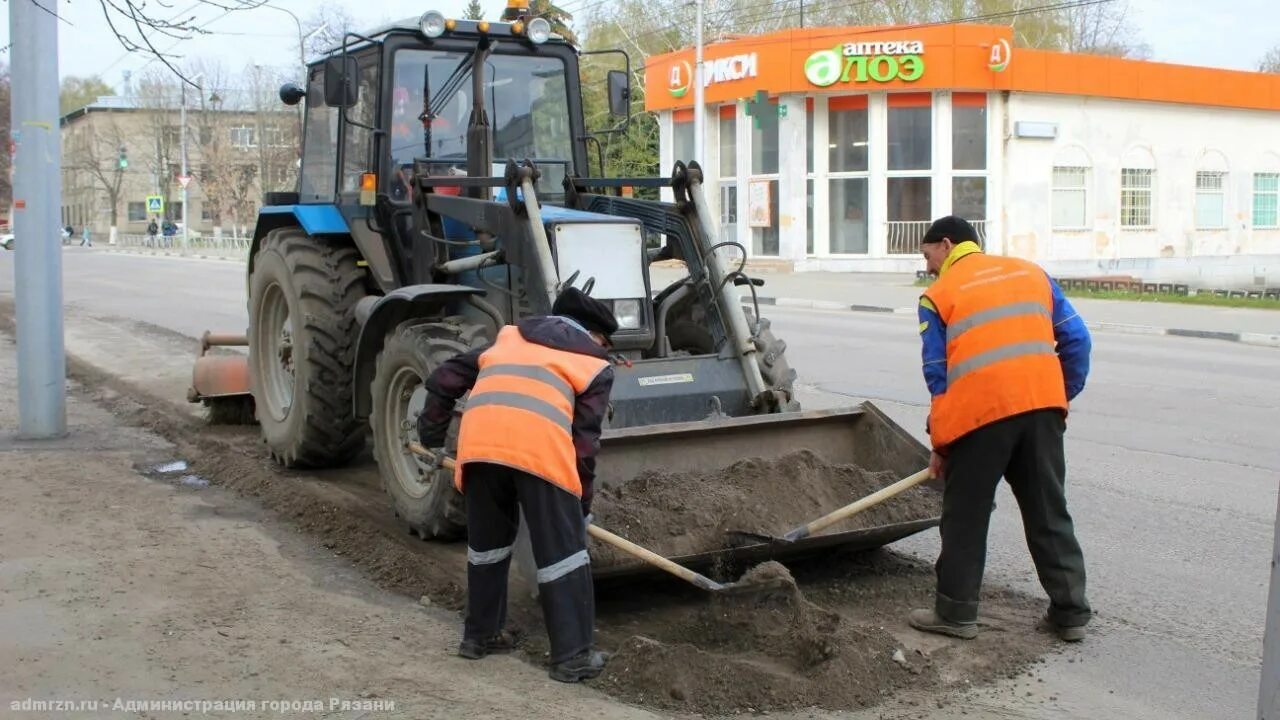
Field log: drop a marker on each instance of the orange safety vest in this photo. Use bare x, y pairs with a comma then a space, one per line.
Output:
1001, 353
520, 411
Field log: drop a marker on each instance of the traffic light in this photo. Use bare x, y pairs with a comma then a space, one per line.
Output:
124, 158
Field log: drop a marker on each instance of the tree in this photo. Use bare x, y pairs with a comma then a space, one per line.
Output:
158, 138
1270, 62
93, 149
330, 22
473, 11
78, 92
276, 129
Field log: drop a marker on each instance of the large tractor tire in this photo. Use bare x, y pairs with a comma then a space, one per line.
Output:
302, 344
423, 497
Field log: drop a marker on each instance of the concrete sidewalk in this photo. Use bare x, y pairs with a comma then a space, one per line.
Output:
896, 293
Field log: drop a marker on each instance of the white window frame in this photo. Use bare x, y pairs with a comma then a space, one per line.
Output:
1220, 192
1086, 172
1150, 191
846, 175
1253, 198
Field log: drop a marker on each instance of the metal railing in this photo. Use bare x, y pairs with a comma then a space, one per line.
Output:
227, 244
904, 236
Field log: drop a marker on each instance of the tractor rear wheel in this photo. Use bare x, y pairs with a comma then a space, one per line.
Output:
302, 341
423, 496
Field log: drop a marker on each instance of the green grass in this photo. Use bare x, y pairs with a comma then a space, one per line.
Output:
1202, 299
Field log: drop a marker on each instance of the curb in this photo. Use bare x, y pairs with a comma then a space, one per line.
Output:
1246, 338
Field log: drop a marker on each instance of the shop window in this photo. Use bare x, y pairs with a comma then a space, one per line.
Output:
728, 141
682, 136
764, 146
1136, 197
762, 210
1266, 200
969, 198
910, 208
847, 134
848, 214
137, 212
1070, 197
1211, 200
808, 215
969, 131
728, 211
910, 131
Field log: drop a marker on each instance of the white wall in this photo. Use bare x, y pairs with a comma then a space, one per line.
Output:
1107, 131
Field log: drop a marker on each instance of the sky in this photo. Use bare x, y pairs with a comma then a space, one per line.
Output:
1193, 32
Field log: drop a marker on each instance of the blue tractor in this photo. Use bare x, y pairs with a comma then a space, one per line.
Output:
444, 192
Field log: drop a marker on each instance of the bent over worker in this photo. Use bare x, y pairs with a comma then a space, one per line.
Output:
1004, 353
529, 437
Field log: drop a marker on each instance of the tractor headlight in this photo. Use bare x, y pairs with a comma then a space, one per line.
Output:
539, 30
432, 24
627, 313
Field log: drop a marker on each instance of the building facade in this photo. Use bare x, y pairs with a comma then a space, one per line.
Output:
118, 143
834, 148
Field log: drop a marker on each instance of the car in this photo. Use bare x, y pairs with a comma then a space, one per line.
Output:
6, 241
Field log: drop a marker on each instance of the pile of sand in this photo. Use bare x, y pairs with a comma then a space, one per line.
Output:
683, 513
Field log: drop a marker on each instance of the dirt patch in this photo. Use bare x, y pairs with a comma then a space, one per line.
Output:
832, 644
684, 513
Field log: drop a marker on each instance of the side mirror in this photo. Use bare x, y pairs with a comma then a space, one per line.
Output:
341, 75
619, 93
291, 94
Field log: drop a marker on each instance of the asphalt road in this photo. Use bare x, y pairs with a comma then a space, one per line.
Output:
1172, 467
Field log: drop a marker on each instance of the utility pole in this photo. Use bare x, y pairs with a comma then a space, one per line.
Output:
37, 199
185, 180
699, 105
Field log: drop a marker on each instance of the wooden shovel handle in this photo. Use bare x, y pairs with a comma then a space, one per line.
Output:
653, 558
857, 506
621, 543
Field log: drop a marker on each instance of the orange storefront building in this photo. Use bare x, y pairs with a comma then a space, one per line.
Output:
869, 133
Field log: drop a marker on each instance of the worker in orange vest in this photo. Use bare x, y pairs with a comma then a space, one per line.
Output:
529, 436
1004, 353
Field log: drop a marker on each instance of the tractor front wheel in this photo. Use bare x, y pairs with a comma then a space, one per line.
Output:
423, 496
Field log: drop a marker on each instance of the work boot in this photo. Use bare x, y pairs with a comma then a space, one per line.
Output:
927, 620
1065, 633
583, 666
503, 642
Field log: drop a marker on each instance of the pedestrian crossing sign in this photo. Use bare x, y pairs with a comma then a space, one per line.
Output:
155, 203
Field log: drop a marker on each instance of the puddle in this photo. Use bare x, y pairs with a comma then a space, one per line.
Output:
174, 471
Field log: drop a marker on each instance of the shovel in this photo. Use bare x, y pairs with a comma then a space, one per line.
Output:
856, 507
623, 544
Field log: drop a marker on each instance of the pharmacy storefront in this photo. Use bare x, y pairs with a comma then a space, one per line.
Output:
834, 148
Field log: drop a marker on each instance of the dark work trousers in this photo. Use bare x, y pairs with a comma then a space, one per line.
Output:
1027, 451
558, 534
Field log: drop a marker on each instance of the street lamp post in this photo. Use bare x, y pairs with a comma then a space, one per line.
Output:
185, 180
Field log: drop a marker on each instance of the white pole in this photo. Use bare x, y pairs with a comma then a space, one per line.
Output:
37, 198
699, 106
183, 180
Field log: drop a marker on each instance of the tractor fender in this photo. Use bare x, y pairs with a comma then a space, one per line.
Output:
315, 220
379, 315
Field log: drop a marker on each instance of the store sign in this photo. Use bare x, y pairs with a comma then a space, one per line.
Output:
879, 62
736, 67
1000, 54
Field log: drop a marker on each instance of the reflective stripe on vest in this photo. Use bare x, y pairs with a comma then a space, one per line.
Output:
1001, 358
520, 410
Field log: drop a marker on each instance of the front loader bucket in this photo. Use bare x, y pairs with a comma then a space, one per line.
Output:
861, 436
